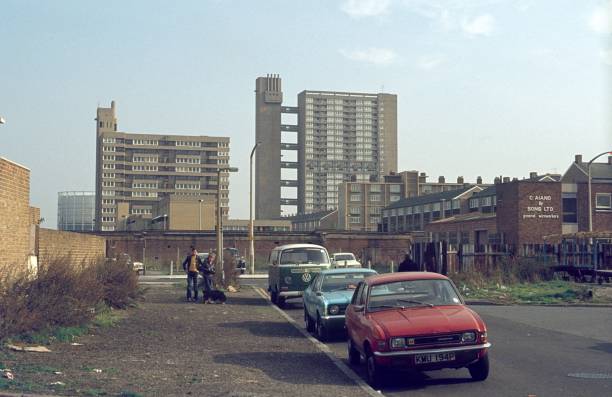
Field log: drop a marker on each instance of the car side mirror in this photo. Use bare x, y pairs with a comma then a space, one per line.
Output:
359, 308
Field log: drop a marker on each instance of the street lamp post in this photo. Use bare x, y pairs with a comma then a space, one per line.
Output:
251, 234
220, 221
589, 181
200, 201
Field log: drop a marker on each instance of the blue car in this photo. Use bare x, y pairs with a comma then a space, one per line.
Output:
327, 297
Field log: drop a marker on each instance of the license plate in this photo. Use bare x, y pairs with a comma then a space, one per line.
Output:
433, 358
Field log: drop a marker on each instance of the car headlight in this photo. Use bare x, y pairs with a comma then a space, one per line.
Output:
398, 343
333, 309
468, 337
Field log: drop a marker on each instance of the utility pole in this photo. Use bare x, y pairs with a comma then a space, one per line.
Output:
251, 234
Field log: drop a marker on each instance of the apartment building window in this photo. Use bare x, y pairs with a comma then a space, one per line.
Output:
603, 201
570, 214
465, 237
144, 168
108, 184
375, 188
355, 210
108, 140
395, 188
108, 219
108, 228
108, 157
374, 218
108, 149
187, 186
108, 175
447, 205
144, 159
108, 201
187, 169
108, 210
144, 194
108, 166
188, 143
355, 197
145, 142
140, 211
355, 219
108, 192
375, 197
189, 160
144, 185
394, 197
355, 188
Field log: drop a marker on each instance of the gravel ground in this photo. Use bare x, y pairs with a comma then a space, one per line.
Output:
167, 347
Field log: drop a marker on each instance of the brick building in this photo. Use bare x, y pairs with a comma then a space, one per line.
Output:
15, 213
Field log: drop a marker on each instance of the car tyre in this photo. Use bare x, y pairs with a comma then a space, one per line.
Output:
480, 369
374, 373
310, 326
353, 354
321, 330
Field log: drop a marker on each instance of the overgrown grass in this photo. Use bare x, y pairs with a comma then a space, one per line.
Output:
63, 299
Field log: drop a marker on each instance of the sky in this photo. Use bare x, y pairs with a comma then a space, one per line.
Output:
485, 87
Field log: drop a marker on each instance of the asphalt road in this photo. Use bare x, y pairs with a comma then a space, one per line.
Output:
540, 351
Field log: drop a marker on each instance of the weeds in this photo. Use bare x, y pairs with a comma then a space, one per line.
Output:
63, 298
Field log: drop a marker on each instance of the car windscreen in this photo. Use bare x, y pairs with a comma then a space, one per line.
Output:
343, 281
412, 293
344, 257
299, 256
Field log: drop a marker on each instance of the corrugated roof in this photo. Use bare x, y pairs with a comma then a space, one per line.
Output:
430, 198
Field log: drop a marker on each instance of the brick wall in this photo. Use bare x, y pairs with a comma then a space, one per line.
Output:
14, 213
161, 249
602, 219
78, 246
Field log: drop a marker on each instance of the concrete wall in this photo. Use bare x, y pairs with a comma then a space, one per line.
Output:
53, 244
159, 249
14, 213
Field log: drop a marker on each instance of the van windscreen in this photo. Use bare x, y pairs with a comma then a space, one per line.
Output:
299, 256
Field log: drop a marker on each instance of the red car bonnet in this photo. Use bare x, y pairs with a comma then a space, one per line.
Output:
421, 320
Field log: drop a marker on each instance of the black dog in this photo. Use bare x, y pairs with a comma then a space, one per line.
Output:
217, 296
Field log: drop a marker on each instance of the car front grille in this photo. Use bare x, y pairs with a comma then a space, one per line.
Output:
447, 339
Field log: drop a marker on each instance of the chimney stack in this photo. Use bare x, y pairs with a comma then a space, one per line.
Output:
506, 179
533, 175
460, 179
479, 180
496, 180
578, 158
440, 179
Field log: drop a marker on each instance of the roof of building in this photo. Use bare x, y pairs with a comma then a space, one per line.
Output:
431, 198
548, 177
598, 170
489, 191
312, 216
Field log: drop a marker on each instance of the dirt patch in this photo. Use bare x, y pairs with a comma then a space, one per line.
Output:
169, 347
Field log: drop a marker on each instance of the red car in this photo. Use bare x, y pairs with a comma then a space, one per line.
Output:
414, 320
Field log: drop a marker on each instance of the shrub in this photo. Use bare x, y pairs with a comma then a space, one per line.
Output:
62, 295
507, 272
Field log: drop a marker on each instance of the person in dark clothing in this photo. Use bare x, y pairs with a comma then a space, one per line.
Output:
208, 272
191, 265
408, 265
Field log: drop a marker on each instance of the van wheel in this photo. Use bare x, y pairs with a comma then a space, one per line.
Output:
273, 295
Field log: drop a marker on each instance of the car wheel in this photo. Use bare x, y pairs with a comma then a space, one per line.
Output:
480, 369
321, 330
273, 295
373, 370
310, 326
353, 354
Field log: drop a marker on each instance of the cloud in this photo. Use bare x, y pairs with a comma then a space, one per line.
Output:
378, 56
365, 8
606, 56
428, 62
600, 20
482, 25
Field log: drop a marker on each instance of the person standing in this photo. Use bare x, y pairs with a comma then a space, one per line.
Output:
208, 273
408, 265
191, 265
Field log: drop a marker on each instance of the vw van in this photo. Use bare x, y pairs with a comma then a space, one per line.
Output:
292, 267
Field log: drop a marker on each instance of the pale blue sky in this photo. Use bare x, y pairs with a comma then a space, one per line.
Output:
484, 87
